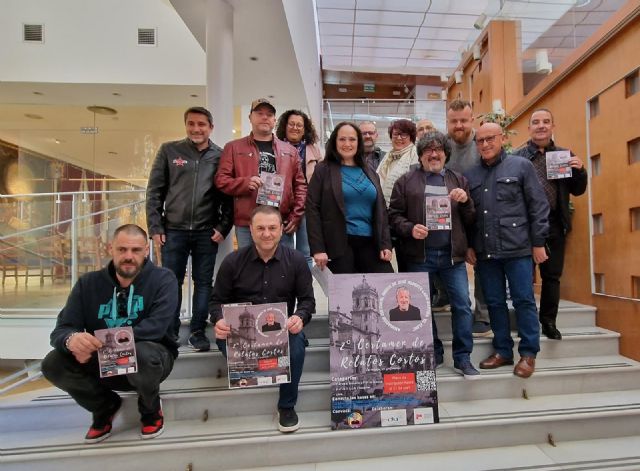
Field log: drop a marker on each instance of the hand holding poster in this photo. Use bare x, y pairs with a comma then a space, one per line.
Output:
258, 347
117, 356
438, 209
558, 164
381, 347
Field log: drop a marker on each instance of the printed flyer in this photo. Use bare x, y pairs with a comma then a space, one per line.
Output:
117, 356
558, 164
258, 347
270, 193
438, 213
381, 350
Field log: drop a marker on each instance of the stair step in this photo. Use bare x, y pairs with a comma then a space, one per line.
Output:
223, 443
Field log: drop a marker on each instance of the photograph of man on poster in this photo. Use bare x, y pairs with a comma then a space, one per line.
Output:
404, 311
271, 325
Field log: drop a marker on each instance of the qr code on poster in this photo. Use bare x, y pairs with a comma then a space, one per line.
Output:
426, 380
283, 361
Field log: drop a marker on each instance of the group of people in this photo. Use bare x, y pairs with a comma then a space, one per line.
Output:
348, 211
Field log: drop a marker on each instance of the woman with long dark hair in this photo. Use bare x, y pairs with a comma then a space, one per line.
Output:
346, 214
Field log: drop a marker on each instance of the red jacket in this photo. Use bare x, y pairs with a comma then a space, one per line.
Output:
239, 162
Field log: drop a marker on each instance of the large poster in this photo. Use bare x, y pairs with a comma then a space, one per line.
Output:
258, 347
381, 347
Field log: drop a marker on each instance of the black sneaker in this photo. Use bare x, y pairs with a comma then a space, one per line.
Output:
288, 420
199, 341
103, 423
152, 424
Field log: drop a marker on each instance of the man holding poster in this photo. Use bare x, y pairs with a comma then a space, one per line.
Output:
268, 272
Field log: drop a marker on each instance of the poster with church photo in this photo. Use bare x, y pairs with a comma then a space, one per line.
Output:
381, 351
258, 346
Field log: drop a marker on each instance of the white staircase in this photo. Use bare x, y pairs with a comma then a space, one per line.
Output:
582, 395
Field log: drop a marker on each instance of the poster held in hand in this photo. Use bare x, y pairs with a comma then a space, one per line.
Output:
117, 356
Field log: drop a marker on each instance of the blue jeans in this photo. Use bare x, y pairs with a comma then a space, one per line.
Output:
175, 253
288, 391
302, 241
519, 272
243, 235
456, 283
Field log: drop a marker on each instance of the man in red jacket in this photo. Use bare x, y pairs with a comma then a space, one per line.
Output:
247, 163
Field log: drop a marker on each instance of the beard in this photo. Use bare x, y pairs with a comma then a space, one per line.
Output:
129, 272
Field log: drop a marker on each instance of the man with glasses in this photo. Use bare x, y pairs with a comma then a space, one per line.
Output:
509, 235
373, 155
187, 215
557, 191
423, 127
129, 292
464, 155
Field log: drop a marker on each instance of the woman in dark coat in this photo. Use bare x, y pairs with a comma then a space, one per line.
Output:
347, 220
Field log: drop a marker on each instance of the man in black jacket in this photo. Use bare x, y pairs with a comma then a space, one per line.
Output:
188, 215
557, 191
129, 292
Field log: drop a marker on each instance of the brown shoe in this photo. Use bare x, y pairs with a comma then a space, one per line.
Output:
525, 367
495, 361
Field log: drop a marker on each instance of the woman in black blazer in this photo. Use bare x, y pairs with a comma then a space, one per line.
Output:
347, 220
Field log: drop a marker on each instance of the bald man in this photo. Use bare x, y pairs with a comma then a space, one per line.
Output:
511, 227
423, 127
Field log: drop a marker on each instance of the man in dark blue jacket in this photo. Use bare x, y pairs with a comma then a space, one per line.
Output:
510, 231
130, 291
557, 192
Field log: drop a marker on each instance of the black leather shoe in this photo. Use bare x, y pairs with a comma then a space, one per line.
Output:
550, 331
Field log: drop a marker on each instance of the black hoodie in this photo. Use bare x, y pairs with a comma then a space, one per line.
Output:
150, 305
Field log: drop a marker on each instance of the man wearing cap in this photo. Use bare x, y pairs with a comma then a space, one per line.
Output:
242, 170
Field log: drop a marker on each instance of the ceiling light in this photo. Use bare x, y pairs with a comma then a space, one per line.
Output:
253, 58
477, 54
33, 116
57, 141
194, 95
458, 76
406, 89
112, 152
116, 94
444, 78
479, 24
105, 110
443, 94
543, 66
38, 93
271, 96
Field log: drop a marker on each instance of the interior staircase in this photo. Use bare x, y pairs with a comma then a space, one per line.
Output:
584, 398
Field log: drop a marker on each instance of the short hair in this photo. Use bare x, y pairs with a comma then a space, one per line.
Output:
546, 110
404, 126
331, 149
459, 105
432, 139
310, 134
263, 209
131, 229
368, 122
402, 288
199, 110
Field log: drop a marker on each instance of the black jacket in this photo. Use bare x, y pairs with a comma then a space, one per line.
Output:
327, 216
406, 209
576, 185
153, 297
511, 208
181, 193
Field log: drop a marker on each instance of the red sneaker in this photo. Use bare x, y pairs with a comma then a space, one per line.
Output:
102, 424
152, 425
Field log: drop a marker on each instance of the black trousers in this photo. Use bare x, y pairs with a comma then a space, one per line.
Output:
550, 272
83, 383
361, 256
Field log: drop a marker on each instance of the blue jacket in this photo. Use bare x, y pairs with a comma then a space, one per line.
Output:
511, 208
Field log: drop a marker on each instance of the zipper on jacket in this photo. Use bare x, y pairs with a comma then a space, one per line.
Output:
193, 193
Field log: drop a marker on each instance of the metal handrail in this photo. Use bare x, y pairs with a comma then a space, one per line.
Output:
17, 374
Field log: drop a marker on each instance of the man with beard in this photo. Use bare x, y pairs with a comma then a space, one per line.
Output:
373, 155
129, 292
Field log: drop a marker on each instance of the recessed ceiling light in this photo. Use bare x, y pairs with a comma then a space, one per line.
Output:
105, 110
253, 58
38, 93
112, 152
33, 116
271, 96
116, 94
194, 95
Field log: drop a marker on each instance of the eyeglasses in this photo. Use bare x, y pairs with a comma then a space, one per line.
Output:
433, 150
368, 133
488, 139
399, 135
295, 125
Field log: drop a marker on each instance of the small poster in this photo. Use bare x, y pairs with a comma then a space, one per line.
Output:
117, 356
558, 164
258, 347
438, 209
381, 351
270, 193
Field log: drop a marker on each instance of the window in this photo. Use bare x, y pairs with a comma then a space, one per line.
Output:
635, 287
595, 165
633, 147
598, 224
632, 84
594, 107
599, 279
635, 219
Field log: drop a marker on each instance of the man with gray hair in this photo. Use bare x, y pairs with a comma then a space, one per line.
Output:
373, 155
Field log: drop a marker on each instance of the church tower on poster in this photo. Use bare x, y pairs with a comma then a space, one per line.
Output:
364, 323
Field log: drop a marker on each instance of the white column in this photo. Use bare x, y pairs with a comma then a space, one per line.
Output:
219, 51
